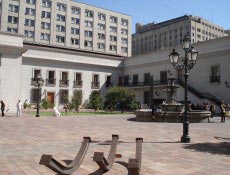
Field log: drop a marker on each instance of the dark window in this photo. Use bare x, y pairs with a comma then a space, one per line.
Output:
135, 79
146, 78
63, 96
163, 77
146, 97
35, 95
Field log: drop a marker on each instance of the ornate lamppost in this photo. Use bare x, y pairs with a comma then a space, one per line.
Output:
39, 83
188, 62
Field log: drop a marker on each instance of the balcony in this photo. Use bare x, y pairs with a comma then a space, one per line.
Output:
77, 84
215, 79
50, 82
95, 85
34, 81
64, 83
147, 84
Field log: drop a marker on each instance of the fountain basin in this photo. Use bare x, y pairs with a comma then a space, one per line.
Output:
143, 115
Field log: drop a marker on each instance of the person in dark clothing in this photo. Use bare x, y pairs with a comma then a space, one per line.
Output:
222, 111
212, 109
2, 108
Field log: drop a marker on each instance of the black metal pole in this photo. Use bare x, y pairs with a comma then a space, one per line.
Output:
185, 137
38, 115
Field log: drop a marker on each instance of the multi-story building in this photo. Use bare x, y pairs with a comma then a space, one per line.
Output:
152, 37
67, 23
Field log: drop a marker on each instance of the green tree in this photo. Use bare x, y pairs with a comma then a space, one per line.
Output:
95, 100
122, 96
76, 100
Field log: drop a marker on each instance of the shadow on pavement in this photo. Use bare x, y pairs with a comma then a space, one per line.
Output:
222, 148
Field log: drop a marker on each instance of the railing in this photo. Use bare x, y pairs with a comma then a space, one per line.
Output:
214, 79
200, 94
77, 84
142, 84
34, 81
95, 85
50, 82
64, 83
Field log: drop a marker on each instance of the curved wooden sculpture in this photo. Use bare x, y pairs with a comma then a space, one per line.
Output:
56, 166
134, 165
103, 163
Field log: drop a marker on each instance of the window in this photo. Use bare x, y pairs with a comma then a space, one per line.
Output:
74, 31
146, 78
100, 45
113, 29
46, 14
64, 79
146, 97
124, 49
31, 2
60, 17
12, 19
75, 20
61, 7
113, 47
124, 22
88, 24
46, 3
60, 28
124, 40
113, 19
60, 39
101, 16
89, 13
126, 80
163, 77
124, 31
88, 33
35, 95
88, 43
29, 22
29, 34
75, 10
101, 26
12, 30
51, 78
215, 74
45, 25
78, 80
13, 8
63, 96
101, 36
113, 38
74, 41
135, 79
45, 36
30, 11
95, 82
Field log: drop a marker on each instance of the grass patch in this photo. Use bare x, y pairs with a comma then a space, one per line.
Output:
70, 113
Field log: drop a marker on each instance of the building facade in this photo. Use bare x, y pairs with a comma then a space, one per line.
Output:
63, 70
67, 23
153, 37
207, 79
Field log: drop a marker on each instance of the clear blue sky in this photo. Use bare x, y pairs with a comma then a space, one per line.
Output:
146, 11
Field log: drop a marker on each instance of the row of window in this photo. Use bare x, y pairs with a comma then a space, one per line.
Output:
213, 28
62, 7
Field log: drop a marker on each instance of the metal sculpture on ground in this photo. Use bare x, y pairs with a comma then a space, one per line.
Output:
134, 165
56, 166
103, 163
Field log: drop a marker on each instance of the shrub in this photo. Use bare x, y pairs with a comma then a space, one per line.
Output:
95, 100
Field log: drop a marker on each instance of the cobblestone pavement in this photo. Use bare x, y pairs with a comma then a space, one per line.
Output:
23, 140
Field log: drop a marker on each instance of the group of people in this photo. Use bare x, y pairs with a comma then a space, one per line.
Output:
205, 106
19, 108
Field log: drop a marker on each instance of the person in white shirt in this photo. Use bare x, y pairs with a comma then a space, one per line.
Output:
19, 108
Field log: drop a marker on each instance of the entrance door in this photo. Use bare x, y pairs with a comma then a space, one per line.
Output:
50, 97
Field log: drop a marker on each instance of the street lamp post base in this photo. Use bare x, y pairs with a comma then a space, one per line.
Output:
37, 115
185, 139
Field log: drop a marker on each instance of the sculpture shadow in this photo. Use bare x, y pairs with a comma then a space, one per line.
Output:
221, 148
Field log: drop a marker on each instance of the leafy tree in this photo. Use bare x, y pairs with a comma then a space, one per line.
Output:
122, 96
95, 100
76, 100
45, 104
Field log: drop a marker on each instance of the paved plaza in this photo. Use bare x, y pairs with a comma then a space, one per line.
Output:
23, 140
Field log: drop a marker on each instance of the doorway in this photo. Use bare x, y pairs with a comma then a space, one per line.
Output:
50, 97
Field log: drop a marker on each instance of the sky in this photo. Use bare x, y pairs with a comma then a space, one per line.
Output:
147, 11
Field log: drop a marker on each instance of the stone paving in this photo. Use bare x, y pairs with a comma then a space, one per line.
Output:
23, 140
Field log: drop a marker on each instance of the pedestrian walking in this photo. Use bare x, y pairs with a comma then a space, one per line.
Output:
222, 112
19, 108
3, 108
212, 109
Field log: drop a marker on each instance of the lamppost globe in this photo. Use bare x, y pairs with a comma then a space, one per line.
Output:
192, 56
186, 42
173, 57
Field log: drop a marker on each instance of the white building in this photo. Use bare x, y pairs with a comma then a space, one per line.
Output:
207, 79
67, 23
64, 71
